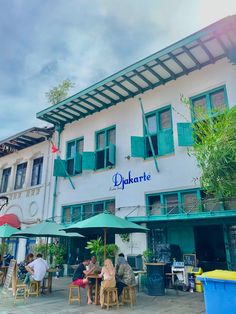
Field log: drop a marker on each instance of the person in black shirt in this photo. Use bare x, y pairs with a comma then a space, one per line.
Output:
79, 277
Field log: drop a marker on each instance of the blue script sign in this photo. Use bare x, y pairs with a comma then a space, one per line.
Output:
119, 181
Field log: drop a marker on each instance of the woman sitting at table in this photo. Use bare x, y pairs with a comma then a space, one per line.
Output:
108, 274
124, 276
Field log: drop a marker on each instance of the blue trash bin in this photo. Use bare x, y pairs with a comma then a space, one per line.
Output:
219, 294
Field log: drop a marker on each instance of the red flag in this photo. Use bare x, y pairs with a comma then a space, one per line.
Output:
54, 149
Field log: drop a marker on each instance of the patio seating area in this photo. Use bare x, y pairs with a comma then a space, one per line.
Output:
57, 302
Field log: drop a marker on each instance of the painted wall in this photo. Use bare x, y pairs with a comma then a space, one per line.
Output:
176, 171
30, 203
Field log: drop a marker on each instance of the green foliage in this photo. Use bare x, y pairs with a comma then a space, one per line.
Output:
60, 92
215, 151
3, 248
58, 253
125, 237
96, 247
147, 255
40, 248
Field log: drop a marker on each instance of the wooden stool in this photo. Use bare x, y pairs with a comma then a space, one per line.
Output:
34, 288
129, 295
21, 292
72, 296
111, 297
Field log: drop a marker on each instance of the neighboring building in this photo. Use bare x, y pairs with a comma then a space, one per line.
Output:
106, 149
25, 171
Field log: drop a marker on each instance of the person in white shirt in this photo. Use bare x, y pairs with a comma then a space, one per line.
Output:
36, 269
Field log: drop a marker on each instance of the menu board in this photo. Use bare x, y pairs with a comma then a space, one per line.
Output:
190, 260
11, 275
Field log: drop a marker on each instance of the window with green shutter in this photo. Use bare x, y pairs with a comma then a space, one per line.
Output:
74, 150
160, 129
88, 161
59, 169
137, 146
209, 103
185, 134
105, 154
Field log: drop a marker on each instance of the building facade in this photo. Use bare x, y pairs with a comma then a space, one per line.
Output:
25, 179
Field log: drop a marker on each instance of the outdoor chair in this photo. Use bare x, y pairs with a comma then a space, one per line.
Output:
111, 297
34, 288
21, 292
129, 295
72, 296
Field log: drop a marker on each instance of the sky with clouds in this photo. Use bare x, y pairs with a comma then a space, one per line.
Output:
44, 42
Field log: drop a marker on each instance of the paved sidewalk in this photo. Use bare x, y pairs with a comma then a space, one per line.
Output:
57, 303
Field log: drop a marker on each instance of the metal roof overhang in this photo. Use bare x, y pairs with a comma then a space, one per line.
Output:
192, 53
24, 139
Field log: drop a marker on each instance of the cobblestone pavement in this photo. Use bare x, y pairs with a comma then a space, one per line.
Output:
57, 303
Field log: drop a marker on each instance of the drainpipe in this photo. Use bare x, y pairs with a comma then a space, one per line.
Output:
59, 130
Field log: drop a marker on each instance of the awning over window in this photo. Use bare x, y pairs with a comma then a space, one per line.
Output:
10, 219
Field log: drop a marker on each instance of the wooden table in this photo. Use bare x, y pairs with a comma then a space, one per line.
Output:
96, 277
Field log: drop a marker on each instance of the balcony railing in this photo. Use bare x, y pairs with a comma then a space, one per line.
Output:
210, 205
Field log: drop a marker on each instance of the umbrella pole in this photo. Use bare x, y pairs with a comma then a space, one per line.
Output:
105, 242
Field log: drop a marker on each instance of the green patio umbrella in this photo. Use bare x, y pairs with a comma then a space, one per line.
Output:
46, 229
7, 231
103, 223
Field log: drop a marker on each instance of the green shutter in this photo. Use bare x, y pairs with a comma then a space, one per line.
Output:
112, 154
137, 146
165, 142
185, 134
78, 163
88, 161
59, 169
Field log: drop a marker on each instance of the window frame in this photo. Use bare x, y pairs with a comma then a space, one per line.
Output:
73, 158
179, 193
82, 212
105, 148
157, 113
5, 180
39, 171
21, 174
209, 107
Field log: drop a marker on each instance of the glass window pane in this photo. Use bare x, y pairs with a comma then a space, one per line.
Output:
218, 101
199, 107
111, 136
190, 202
70, 149
110, 207
100, 159
165, 120
5, 178
152, 124
87, 211
70, 166
66, 215
37, 171
76, 214
101, 140
171, 202
80, 146
20, 175
98, 208
154, 205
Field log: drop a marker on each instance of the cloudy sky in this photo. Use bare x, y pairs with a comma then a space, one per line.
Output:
44, 42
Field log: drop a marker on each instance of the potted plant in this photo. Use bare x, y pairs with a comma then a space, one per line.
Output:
96, 247
147, 256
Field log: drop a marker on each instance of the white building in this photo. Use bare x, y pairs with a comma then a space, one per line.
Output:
106, 162
25, 174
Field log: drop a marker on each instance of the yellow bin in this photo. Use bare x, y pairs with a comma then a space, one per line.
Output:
198, 285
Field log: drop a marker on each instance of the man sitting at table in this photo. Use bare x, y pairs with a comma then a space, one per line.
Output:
79, 277
36, 269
